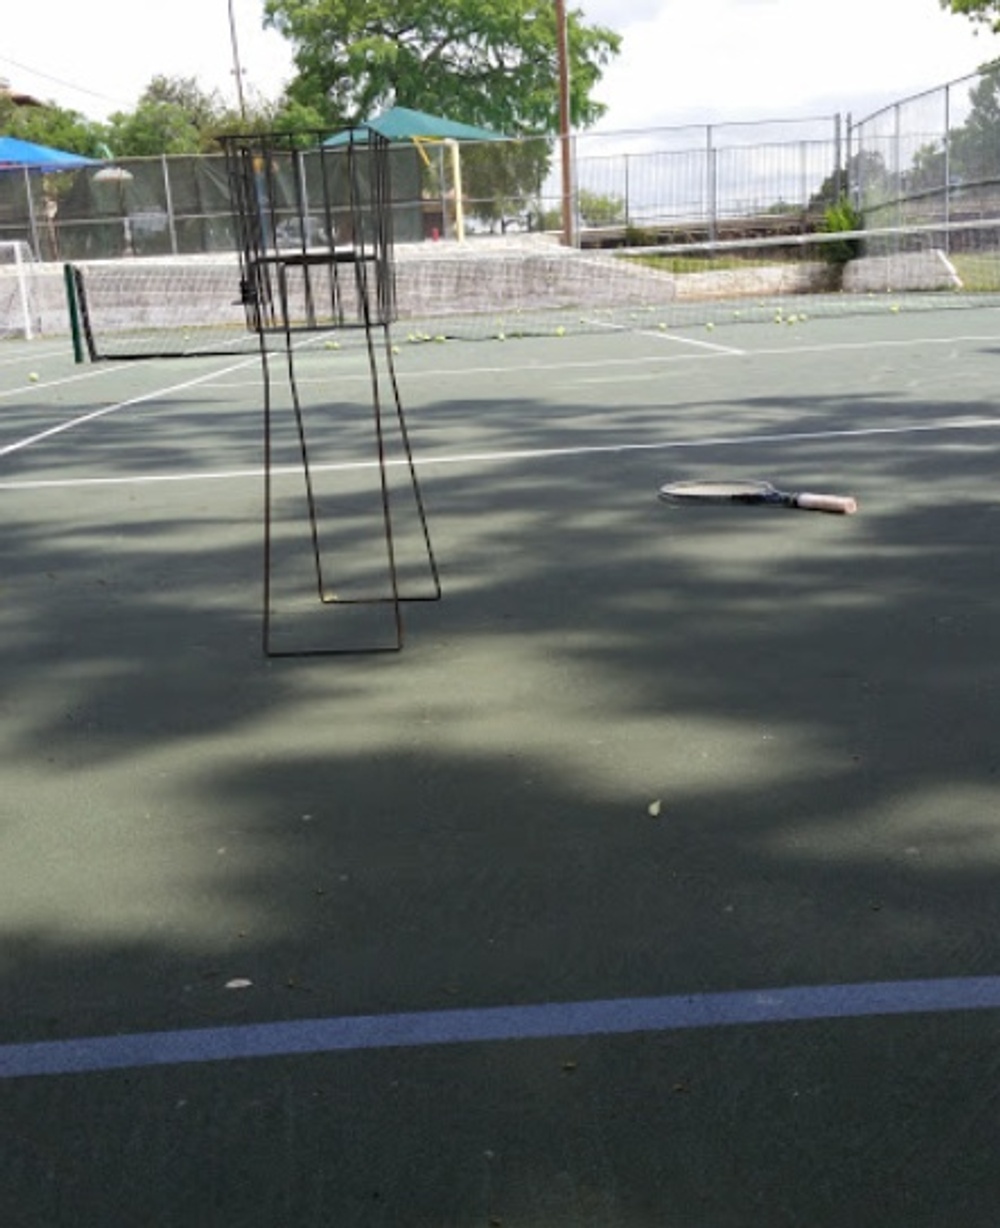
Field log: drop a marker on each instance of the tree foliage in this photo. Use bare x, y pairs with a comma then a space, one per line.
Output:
503, 179
53, 126
969, 157
490, 62
974, 151
865, 176
987, 12
173, 116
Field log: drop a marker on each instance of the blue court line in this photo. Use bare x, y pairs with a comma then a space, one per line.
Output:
618, 1016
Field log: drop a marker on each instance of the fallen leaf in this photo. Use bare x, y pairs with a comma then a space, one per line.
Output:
239, 982
654, 808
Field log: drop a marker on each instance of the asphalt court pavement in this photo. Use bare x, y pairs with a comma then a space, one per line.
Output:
652, 883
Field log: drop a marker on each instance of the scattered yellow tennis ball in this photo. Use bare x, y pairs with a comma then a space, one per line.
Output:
560, 331
33, 377
709, 325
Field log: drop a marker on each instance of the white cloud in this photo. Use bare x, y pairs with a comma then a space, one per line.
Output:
730, 59
682, 60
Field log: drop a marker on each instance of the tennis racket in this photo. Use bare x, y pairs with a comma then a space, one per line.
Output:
754, 492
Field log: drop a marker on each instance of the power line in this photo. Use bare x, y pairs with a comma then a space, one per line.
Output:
81, 89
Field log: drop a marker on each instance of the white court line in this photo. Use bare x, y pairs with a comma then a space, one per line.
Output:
72, 423
57, 383
534, 369
465, 372
665, 334
658, 360
26, 359
526, 454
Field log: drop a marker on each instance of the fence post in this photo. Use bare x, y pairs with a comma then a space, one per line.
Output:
32, 220
169, 200
947, 160
898, 162
712, 187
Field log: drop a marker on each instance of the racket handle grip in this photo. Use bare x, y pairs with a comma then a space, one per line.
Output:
843, 505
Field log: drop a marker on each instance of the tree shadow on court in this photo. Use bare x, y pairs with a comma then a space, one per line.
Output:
634, 751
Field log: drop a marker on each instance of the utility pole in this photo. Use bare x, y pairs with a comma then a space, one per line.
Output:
237, 69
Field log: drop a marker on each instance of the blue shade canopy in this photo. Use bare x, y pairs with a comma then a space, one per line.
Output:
403, 124
16, 154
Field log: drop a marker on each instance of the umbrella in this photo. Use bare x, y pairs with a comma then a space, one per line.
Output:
16, 154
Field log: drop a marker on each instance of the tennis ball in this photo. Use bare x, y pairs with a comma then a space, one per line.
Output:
709, 325
560, 331
33, 377
894, 307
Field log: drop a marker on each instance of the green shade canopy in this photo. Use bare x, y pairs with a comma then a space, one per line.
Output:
403, 124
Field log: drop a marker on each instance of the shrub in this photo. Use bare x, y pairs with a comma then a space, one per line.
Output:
841, 218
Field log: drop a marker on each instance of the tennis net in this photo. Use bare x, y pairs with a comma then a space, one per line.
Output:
532, 286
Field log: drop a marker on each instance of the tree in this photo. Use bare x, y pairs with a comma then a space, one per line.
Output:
503, 179
985, 11
865, 179
53, 126
174, 115
597, 209
974, 151
489, 62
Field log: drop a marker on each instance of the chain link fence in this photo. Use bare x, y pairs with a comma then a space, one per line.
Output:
931, 161
654, 180
932, 158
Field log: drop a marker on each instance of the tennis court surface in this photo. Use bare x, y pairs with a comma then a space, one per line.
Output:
653, 882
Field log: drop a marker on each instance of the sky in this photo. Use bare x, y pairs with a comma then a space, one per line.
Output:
681, 61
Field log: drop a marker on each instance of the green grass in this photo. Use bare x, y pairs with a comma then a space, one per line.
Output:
979, 271
679, 263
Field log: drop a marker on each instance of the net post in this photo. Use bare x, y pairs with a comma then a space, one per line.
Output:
73, 307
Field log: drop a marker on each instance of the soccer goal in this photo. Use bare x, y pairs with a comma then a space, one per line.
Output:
19, 297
